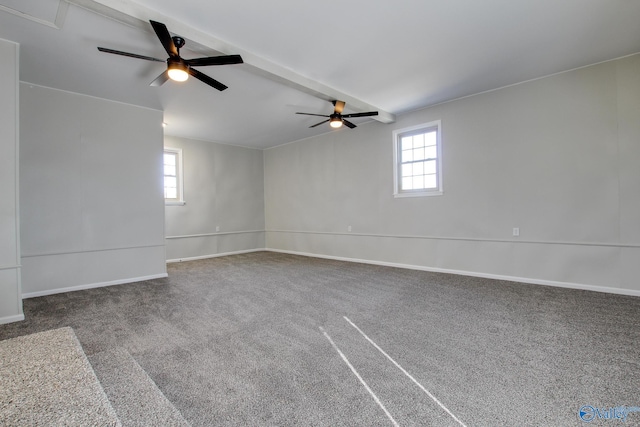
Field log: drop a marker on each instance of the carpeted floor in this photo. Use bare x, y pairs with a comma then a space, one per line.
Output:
236, 341
46, 380
133, 395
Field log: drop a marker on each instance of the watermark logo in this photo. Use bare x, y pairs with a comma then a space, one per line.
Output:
588, 413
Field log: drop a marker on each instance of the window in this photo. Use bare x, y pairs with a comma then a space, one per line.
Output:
173, 194
417, 162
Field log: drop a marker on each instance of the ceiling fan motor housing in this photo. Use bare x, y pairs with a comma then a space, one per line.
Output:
178, 41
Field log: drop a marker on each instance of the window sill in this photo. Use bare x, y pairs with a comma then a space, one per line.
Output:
175, 203
418, 194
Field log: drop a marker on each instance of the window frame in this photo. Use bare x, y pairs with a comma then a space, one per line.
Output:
397, 159
179, 200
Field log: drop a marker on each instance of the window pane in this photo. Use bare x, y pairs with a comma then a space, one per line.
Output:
407, 156
170, 170
407, 170
418, 168
170, 182
169, 159
431, 152
430, 138
406, 143
407, 183
418, 154
418, 141
430, 167
418, 182
170, 193
430, 181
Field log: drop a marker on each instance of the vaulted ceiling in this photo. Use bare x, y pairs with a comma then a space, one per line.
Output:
389, 56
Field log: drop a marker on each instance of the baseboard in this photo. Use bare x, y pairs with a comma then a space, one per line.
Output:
91, 286
526, 280
195, 258
11, 319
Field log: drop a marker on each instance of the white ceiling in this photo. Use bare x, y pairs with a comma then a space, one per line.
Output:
392, 56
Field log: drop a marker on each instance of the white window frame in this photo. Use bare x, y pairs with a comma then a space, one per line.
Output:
397, 170
179, 176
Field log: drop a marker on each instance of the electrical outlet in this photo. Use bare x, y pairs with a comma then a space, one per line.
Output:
516, 231
217, 228
349, 228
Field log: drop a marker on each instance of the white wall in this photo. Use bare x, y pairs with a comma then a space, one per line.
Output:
10, 288
557, 157
91, 202
223, 187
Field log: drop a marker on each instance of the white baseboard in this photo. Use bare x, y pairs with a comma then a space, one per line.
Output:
91, 286
580, 286
11, 319
195, 258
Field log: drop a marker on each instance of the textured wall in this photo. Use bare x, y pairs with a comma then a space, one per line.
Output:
91, 191
224, 188
556, 157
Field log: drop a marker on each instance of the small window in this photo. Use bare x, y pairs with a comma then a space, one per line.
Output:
417, 162
173, 193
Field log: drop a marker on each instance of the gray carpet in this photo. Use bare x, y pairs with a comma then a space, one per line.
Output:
46, 380
236, 341
134, 396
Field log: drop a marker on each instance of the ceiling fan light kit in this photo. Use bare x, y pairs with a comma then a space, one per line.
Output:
335, 121
179, 69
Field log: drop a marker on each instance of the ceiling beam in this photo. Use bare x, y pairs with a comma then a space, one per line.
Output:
138, 16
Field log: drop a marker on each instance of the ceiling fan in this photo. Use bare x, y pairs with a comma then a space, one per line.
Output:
337, 118
179, 69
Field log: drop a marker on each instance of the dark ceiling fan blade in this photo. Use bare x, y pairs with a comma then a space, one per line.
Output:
311, 114
165, 38
318, 124
214, 60
161, 79
348, 124
339, 106
367, 114
130, 55
206, 79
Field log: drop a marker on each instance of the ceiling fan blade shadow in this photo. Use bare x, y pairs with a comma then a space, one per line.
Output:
339, 106
348, 124
214, 60
311, 114
318, 124
130, 55
165, 38
367, 114
206, 79
161, 79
